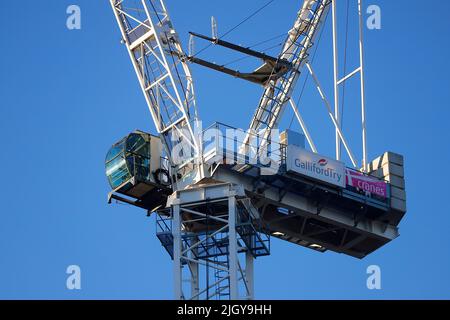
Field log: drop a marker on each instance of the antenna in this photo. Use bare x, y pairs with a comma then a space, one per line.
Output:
191, 45
214, 32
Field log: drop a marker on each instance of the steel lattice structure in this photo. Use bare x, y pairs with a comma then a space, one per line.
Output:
164, 76
295, 50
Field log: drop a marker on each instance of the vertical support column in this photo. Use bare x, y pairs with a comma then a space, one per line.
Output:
303, 126
363, 93
232, 247
177, 271
194, 272
336, 79
249, 260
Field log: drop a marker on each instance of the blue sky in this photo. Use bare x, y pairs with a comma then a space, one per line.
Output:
66, 96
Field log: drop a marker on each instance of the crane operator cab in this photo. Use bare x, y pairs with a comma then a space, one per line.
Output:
136, 169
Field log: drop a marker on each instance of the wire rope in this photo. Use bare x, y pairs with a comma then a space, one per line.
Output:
236, 26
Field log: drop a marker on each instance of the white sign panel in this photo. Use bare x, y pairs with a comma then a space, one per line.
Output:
315, 166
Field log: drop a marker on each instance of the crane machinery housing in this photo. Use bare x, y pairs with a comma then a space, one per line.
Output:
218, 199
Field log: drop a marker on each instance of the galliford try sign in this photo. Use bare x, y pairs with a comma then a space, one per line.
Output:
315, 166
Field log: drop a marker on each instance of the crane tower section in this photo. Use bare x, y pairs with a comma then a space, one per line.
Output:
164, 76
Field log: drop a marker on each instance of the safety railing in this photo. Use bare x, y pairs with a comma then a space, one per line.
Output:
226, 145
223, 144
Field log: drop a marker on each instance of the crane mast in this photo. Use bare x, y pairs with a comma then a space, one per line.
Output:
164, 76
295, 50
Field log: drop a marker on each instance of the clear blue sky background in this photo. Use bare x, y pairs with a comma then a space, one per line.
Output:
66, 96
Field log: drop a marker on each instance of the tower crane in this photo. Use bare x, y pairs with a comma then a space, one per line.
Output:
215, 210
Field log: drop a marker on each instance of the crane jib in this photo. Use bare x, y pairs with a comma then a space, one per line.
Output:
296, 49
164, 76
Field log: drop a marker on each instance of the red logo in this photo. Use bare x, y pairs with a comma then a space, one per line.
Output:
322, 162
